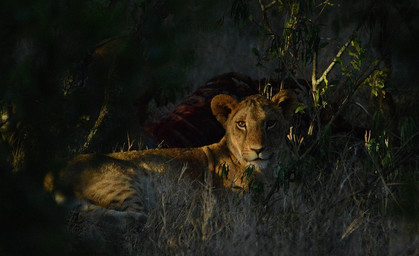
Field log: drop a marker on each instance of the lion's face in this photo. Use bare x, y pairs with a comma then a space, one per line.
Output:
255, 128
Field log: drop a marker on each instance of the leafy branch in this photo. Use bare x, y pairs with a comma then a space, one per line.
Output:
316, 82
264, 8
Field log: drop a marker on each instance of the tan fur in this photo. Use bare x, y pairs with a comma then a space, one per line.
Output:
255, 129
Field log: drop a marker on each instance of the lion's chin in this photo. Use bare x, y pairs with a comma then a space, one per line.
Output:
259, 164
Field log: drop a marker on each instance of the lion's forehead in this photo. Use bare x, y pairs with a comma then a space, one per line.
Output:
256, 112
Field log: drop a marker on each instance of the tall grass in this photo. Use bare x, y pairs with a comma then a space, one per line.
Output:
343, 210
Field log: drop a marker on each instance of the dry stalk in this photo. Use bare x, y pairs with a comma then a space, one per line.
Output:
208, 202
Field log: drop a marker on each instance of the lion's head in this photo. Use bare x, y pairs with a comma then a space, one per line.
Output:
255, 128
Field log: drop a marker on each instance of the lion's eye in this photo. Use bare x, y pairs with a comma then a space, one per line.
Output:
270, 124
241, 124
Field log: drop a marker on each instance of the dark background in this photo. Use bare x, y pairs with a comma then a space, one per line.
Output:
70, 69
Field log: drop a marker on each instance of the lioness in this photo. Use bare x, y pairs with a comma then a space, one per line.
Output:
255, 128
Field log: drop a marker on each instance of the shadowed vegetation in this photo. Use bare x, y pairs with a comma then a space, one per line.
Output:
83, 76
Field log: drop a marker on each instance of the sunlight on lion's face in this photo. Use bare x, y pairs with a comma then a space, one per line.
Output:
254, 132
255, 129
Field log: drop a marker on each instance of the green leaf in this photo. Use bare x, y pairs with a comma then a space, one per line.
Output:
300, 108
317, 96
324, 44
249, 171
355, 65
255, 51
356, 45
224, 170
339, 60
353, 54
280, 7
333, 83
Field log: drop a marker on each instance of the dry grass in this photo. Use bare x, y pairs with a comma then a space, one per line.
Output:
342, 211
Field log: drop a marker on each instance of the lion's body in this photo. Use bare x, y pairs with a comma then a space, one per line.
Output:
255, 129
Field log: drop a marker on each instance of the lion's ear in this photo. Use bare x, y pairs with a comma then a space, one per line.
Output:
221, 106
287, 100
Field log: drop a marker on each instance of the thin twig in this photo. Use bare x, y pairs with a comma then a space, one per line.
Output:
268, 6
333, 63
342, 50
103, 112
313, 79
265, 16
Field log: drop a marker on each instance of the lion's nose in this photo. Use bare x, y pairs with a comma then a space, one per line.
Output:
257, 149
